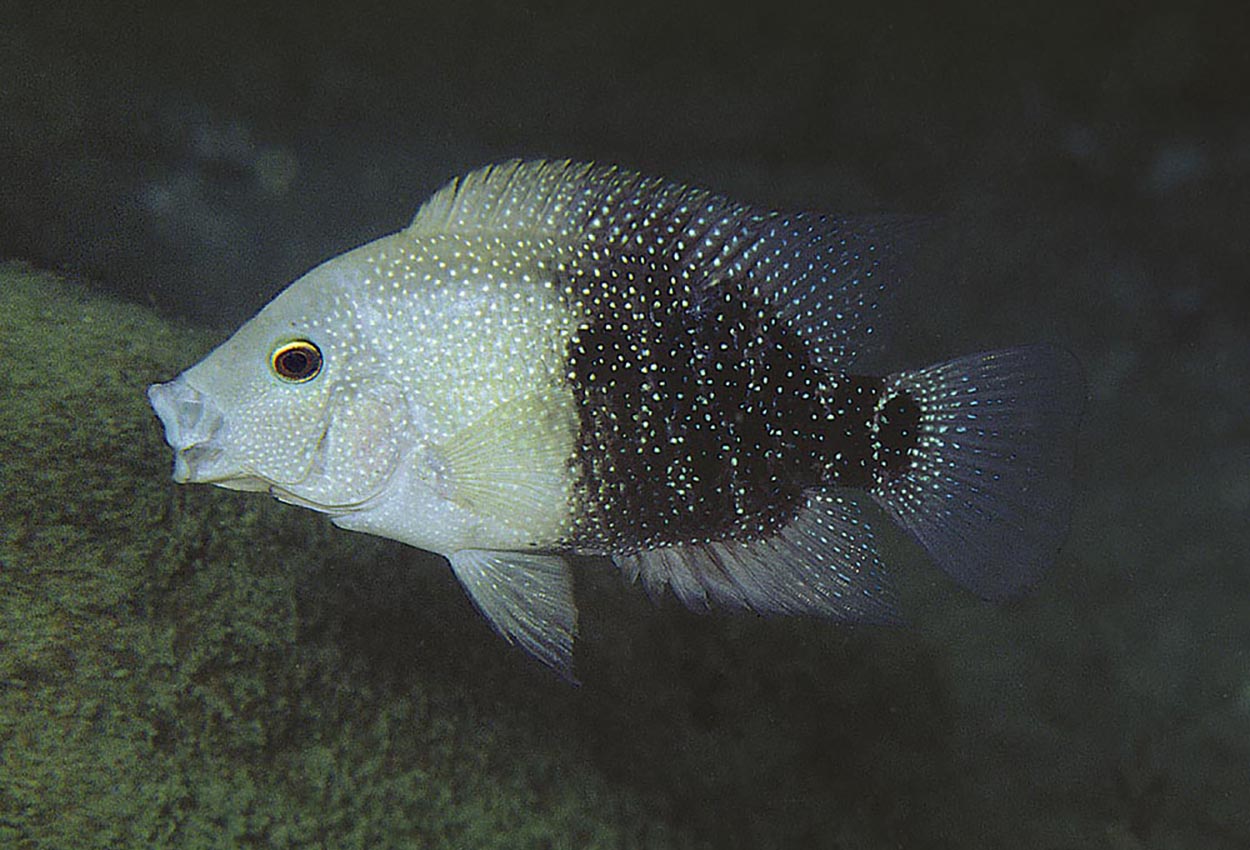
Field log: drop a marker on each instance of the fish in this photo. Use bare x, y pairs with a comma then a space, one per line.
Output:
558, 358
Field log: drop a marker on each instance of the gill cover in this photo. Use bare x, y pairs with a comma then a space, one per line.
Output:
359, 449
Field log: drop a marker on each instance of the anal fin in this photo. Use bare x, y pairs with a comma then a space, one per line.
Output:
822, 563
528, 598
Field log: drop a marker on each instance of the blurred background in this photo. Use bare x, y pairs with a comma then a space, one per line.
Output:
198, 156
1087, 169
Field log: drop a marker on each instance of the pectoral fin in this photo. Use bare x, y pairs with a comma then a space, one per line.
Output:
512, 465
527, 598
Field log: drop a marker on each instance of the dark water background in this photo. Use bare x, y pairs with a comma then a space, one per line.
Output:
1088, 169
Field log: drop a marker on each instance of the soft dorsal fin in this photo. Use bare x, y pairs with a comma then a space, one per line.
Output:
830, 278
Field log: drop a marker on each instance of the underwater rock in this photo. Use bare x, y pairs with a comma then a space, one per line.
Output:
184, 669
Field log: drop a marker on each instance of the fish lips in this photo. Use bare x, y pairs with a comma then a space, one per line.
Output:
195, 428
191, 423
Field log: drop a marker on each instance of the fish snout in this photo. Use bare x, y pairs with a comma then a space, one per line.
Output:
191, 423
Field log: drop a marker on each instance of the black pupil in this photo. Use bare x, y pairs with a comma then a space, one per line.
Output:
297, 363
294, 362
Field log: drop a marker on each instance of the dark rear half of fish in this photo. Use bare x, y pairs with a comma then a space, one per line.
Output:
727, 437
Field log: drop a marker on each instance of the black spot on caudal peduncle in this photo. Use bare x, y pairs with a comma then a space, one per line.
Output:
868, 438
897, 432
849, 402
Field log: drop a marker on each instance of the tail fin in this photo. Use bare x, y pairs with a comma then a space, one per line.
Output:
988, 491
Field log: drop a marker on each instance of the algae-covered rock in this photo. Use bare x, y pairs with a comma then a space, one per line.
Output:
175, 668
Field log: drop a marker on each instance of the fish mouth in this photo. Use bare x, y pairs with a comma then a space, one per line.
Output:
192, 422
195, 429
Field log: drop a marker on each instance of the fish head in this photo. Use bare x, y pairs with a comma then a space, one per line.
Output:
295, 403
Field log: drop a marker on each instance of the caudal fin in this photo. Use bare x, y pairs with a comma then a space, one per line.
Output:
989, 488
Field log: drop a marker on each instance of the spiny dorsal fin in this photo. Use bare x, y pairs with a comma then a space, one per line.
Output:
533, 197
825, 276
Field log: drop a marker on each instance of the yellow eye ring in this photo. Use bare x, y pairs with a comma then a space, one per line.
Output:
296, 362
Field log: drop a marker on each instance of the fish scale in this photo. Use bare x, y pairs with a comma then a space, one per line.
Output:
694, 423
559, 358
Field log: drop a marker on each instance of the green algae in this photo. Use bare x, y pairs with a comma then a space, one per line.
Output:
177, 665
191, 667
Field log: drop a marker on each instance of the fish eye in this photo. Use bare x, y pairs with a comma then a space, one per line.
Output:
296, 361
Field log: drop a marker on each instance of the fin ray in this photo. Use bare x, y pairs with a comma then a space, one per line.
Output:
827, 277
822, 563
527, 598
990, 489
547, 198
511, 464
830, 278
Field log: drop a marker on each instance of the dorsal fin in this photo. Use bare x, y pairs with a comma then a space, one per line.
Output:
550, 198
574, 201
830, 278
826, 277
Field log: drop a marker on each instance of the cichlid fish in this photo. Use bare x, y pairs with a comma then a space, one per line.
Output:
560, 358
